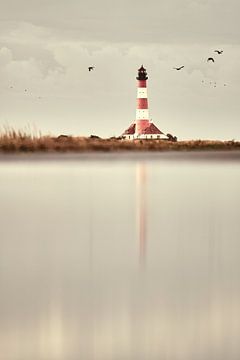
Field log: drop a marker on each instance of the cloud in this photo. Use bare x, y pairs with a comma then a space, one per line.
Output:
186, 21
5, 56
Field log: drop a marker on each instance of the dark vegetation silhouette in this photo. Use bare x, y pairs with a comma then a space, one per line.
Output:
12, 141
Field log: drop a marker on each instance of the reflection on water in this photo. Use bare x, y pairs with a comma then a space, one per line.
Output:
119, 260
141, 210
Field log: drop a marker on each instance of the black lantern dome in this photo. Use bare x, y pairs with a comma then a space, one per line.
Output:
142, 74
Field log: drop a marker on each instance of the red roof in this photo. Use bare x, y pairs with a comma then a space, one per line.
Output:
151, 129
130, 130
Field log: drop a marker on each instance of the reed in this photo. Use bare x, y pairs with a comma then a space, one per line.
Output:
23, 141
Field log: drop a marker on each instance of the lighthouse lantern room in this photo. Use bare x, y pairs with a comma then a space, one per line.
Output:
143, 127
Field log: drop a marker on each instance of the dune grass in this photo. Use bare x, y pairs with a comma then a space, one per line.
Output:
12, 141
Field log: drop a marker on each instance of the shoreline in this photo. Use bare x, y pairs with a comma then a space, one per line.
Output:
232, 156
18, 143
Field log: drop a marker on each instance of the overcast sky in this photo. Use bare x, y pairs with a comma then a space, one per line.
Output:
47, 45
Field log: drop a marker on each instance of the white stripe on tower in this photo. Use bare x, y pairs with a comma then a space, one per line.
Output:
142, 93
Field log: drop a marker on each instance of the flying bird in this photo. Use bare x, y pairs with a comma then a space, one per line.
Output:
90, 68
210, 59
218, 51
179, 68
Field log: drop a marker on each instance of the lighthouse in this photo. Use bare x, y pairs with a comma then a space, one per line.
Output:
143, 127
142, 113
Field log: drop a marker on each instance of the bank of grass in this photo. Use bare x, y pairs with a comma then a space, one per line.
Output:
12, 141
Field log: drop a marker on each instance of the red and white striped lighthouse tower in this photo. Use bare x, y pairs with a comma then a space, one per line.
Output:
143, 127
142, 113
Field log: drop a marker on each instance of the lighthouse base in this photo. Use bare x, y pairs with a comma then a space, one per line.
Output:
151, 132
145, 137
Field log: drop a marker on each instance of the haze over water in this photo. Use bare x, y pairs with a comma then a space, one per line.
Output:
110, 258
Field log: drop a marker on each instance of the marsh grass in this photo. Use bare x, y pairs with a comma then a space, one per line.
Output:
23, 141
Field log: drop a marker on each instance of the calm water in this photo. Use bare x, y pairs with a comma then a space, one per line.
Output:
121, 259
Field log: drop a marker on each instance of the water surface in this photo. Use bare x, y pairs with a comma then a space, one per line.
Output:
119, 257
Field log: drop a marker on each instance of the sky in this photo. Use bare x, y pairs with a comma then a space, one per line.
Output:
46, 47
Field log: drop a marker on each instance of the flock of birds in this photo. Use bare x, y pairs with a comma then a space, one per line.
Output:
26, 90
219, 52
209, 59
90, 68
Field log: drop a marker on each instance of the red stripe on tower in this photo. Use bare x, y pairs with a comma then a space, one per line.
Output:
142, 103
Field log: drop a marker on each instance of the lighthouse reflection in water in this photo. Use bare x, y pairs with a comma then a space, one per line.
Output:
115, 259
